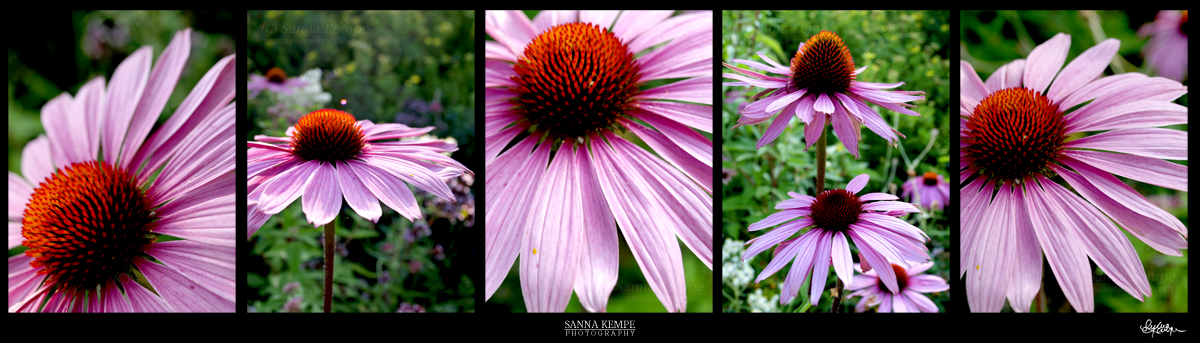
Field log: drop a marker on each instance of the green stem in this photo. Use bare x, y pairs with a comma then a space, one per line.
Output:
821, 143
330, 246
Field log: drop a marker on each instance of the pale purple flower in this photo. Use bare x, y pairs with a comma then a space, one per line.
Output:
835, 215
275, 80
908, 299
328, 155
410, 308
1015, 142
930, 190
562, 217
98, 187
820, 87
1166, 52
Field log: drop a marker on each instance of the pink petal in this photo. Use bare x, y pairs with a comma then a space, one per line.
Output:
1027, 274
697, 90
604, 19
180, 293
511, 177
777, 126
210, 266
357, 195
846, 129
88, 106
856, 185
778, 218
510, 28
19, 193
322, 196
141, 299
124, 94
694, 116
820, 267
598, 266
36, 161
546, 19
973, 89
632, 24
1126, 206
495, 50
387, 188
112, 299
926, 283
1054, 222
209, 96
803, 251
1087, 67
694, 143
1116, 90
158, 90
1045, 61
1150, 142
814, 129
1145, 169
284, 188
60, 124
774, 237
206, 214
989, 256
823, 104
1008, 76
668, 150
670, 29
554, 235
654, 247
872, 257
1129, 115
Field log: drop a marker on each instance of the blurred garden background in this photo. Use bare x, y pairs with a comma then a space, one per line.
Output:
992, 38
908, 46
632, 293
77, 46
410, 67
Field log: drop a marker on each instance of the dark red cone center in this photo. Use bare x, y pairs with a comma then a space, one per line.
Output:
276, 75
823, 65
836, 209
930, 178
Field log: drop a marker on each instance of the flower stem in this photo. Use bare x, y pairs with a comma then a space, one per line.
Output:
837, 293
329, 249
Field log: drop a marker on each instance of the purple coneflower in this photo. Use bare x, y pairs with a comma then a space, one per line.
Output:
1015, 140
835, 215
95, 194
570, 83
820, 87
328, 155
1166, 52
908, 299
930, 190
275, 80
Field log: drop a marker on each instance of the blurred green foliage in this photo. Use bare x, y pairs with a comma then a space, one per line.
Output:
992, 38
908, 46
632, 293
97, 43
410, 67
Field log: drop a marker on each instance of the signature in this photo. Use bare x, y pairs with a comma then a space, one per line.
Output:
1160, 328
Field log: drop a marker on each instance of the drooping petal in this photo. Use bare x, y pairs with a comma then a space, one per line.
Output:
990, 255
1027, 257
1055, 221
654, 247
697, 90
513, 176
668, 150
140, 298
843, 263
391, 191
284, 188
776, 236
322, 199
1145, 169
357, 195
554, 236
207, 214
600, 251
1126, 206
820, 267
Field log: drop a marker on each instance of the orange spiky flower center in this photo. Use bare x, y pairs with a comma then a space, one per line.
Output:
85, 224
930, 178
1014, 133
836, 209
575, 79
327, 135
823, 65
276, 75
